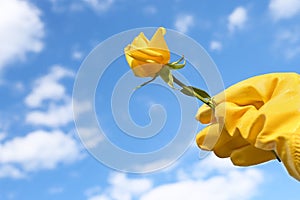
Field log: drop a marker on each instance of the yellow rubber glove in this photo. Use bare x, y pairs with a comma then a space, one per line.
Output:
261, 117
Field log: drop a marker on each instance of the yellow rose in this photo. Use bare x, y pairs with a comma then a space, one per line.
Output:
146, 58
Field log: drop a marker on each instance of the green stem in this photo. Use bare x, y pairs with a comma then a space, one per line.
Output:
208, 102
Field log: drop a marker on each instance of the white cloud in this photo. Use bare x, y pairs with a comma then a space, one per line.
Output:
123, 188
99, 5
184, 22
215, 45
237, 19
55, 116
212, 178
233, 185
38, 150
284, 9
21, 30
88, 134
58, 110
82, 107
48, 87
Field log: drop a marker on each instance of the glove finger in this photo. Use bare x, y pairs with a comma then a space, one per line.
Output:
216, 138
241, 152
204, 114
207, 138
233, 117
207, 115
227, 143
249, 155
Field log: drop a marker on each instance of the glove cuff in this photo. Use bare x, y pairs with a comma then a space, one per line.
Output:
294, 145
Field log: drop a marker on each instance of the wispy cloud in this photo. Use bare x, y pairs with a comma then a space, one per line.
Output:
99, 5
287, 42
77, 55
60, 6
55, 190
11, 171
2, 135
284, 9
237, 19
22, 30
215, 45
92, 191
47, 150
184, 22
150, 10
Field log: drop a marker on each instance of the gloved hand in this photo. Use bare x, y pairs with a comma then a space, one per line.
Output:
261, 118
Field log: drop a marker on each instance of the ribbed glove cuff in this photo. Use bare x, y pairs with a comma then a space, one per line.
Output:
294, 146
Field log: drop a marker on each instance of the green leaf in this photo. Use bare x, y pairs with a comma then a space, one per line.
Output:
176, 65
187, 91
201, 92
192, 91
166, 75
178, 61
146, 83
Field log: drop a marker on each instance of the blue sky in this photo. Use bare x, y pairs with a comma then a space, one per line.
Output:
43, 44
